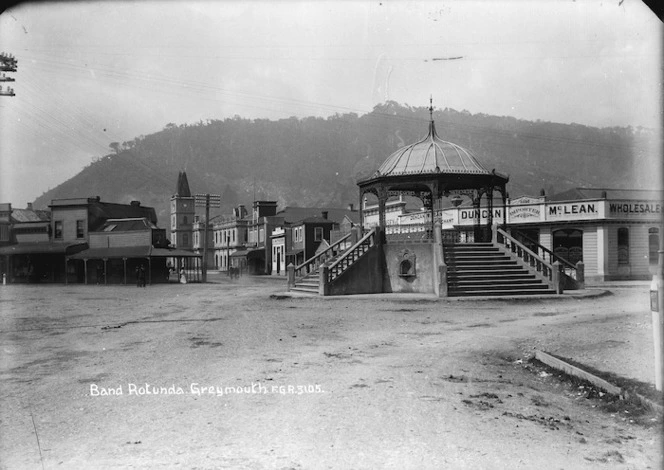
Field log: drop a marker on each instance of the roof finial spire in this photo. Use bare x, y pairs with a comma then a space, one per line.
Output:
431, 107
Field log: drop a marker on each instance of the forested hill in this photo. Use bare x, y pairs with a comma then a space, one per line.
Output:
316, 161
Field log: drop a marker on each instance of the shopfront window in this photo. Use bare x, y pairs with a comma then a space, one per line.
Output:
80, 229
623, 245
653, 245
57, 229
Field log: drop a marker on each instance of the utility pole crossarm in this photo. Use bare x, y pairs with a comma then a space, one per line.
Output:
8, 63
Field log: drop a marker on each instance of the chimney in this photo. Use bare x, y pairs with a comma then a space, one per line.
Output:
29, 206
350, 207
324, 215
135, 203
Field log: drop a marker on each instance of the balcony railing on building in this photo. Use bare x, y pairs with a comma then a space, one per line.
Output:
414, 233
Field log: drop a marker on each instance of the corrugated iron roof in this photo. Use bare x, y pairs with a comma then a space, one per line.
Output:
28, 215
43, 248
293, 214
127, 225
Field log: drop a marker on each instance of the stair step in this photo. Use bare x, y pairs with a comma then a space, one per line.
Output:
501, 293
304, 290
484, 268
475, 275
478, 244
501, 287
491, 283
482, 261
466, 251
307, 284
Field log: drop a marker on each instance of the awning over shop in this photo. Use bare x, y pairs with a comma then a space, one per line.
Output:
173, 253
133, 252
41, 248
114, 252
249, 254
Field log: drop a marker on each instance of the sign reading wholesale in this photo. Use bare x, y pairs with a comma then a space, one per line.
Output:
635, 209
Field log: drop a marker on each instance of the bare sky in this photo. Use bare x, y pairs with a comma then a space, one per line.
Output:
92, 73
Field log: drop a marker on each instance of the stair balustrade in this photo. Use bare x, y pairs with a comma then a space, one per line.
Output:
312, 264
569, 268
542, 267
343, 262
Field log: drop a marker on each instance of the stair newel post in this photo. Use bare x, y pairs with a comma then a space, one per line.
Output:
290, 269
557, 277
440, 259
580, 275
323, 286
355, 235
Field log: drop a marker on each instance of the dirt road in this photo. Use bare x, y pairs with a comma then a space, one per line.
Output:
225, 376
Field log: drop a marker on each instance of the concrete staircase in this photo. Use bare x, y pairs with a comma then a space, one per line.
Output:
480, 269
309, 284
337, 259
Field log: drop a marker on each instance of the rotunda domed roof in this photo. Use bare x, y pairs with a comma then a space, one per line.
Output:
431, 155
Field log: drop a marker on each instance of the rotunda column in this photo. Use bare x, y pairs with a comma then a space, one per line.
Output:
382, 201
477, 219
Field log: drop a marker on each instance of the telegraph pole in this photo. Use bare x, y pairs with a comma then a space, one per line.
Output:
207, 201
8, 63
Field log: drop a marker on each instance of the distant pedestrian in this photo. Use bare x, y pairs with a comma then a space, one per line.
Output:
138, 276
142, 276
183, 278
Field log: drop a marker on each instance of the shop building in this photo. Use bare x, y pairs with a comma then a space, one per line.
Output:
616, 233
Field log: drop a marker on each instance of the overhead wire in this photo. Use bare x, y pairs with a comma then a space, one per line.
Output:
74, 122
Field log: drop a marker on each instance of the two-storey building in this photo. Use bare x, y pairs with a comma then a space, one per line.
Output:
230, 236
26, 254
304, 230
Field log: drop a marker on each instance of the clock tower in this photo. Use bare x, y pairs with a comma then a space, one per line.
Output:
182, 214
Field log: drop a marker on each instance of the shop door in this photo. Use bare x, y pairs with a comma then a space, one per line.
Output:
568, 244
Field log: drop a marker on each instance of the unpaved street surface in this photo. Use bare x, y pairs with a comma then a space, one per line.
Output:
308, 383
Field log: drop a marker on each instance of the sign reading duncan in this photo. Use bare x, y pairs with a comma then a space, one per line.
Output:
573, 211
472, 214
635, 209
